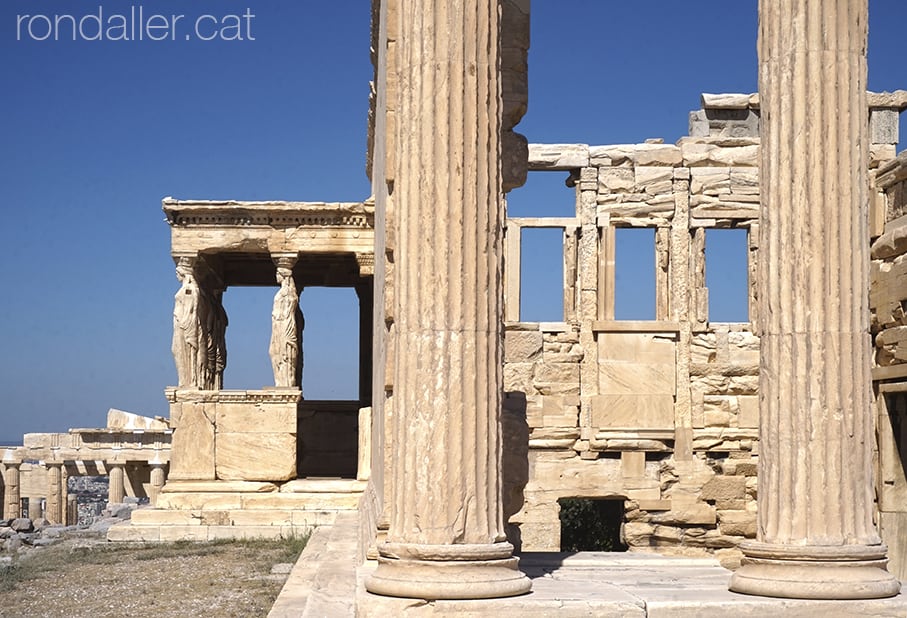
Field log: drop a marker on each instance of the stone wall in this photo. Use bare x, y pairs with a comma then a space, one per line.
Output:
660, 414
888, 296
888, 310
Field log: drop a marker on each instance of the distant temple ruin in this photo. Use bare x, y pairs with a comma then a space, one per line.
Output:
132, 450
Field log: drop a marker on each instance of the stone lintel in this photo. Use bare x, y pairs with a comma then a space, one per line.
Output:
730, 101
12, 456
558, 157
887, 100
874, 100
637, 326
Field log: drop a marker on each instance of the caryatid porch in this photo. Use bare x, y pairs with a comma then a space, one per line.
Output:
236, 443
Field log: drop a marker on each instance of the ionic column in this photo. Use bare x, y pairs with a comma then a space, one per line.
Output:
12, 507
117, 488
157, 483
446, 538
816, 537
53, 509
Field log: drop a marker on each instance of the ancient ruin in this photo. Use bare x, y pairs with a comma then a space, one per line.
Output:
776, 444
133, 451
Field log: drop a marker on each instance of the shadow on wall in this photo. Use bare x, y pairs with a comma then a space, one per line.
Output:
514, 460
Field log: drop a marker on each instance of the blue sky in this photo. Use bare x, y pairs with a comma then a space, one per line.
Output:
95, 133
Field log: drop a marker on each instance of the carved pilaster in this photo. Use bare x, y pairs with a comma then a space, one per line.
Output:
816, 537
446, 538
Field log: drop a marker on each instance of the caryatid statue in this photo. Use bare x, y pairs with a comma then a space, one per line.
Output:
186, 327
219, 360
285, 331
204, 363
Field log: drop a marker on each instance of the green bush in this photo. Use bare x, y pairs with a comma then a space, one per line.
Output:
591, 525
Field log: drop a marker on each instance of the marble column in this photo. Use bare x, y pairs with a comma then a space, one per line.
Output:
157, 483
816, 536
53, 509
446, 538
117, 488
12, 507
64, 497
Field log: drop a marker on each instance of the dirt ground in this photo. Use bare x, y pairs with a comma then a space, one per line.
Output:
88, 577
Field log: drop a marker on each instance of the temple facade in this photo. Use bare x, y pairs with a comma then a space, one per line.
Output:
776, 442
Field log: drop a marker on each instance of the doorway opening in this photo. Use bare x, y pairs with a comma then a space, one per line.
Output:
591, 524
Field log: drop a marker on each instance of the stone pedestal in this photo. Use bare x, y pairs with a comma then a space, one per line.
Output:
816, 537
117, 488
233, 435
12, 507
446, 538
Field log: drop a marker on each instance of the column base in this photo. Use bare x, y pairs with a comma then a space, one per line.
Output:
435, 572
814, 572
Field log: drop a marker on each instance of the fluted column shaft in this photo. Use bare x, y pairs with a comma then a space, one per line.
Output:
12, 507
446, 536
816, 537
53, 510
116, 491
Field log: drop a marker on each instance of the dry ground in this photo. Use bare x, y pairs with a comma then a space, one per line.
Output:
92, 578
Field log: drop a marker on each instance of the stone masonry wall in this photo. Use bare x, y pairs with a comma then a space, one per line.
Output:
888, 296
660, 414
888, 310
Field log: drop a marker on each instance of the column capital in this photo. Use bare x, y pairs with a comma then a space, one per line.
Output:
285, 260
188, 260
366, 263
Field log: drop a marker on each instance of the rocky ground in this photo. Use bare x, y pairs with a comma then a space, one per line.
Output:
57, 571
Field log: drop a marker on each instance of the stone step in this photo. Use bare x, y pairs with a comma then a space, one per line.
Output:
158, 525
217, 501
239, 517
199, 533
